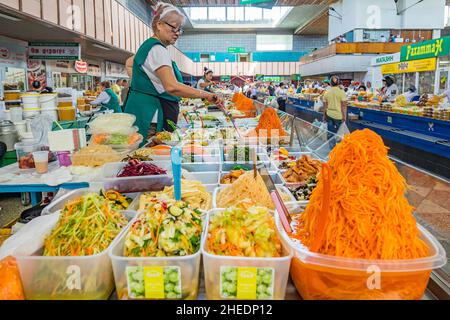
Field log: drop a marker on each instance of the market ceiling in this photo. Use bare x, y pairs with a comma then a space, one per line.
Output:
221, 3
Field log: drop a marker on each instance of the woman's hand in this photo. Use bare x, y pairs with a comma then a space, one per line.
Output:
213, 98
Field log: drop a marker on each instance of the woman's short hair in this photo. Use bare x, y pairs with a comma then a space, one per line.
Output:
162, 10
106, 84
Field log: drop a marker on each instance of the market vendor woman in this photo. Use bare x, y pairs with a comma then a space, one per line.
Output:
107, 99
206, 82
157, 84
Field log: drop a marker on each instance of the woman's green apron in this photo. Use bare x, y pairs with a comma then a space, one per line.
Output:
113, 103
143, 99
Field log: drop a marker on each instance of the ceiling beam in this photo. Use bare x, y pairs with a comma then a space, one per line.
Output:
315, 18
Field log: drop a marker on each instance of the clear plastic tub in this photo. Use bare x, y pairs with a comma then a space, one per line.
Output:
201, 167
59, 203
66, 278
324, 277
206, 178
24, 151
275, 178
214, 266
187, 269
135, 184
228, 166
280, 188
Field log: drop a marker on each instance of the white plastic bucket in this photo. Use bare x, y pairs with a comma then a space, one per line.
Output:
21, 127
30, 98
16, 114
52, 113
48, 101
27, 106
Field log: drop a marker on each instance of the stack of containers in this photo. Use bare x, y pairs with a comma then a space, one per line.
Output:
66, 109
48, 104
115, 130
30, 102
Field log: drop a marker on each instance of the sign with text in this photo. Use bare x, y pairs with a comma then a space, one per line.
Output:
296, 77
236, 50
225, 78
384, 59
245, 2
54, 51
81, 66
409, 66
427, 49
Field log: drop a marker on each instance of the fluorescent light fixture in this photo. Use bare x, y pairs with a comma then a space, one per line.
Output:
2, 15
101, 47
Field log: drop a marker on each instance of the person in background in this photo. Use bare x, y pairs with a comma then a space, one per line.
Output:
125, 90
117, 89
299, 88
326, 85
206, 82
390, 89
157, 83
281, 94
362, 88
107, 98
335, 106
369, 87
271, 89
383, 38
253, 92
411, 93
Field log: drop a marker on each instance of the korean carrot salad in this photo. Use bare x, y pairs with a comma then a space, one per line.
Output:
359, 208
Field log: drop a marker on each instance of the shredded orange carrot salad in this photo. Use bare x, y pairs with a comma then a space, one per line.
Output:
271, 123
359, 209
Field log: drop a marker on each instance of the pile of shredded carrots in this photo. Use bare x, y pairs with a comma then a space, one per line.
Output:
270, 124
359, 209
243, 103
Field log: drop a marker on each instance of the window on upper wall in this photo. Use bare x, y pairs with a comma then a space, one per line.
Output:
265, 42
199, 13
252, 14
217, 13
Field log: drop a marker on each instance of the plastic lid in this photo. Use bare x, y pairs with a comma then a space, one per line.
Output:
65, 108
31, 109
30, 95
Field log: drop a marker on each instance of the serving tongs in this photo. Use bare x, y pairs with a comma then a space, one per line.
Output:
283, 212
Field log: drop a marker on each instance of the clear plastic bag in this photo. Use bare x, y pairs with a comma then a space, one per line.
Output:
343, 130
323, 132
114, 123
41, 126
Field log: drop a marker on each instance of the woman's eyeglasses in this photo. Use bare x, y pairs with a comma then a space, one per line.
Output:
174, 29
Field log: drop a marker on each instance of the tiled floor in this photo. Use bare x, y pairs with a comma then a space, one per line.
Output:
10, 208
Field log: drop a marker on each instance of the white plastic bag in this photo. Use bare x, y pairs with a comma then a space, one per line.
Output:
274, 104
343, 130
318, 105
32, 235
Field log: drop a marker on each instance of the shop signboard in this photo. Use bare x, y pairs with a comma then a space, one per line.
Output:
385, 59
259, 77
225, 78
245, 2
12, 55
236, 50
54, 51
421, 65
427, 49
296, 77
81, 66
115, 70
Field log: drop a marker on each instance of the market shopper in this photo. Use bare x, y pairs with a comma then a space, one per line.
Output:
271, 89
335, 106
117, 89
411, 93
389, 90
157, 83
281, 94
108, 98
206, 82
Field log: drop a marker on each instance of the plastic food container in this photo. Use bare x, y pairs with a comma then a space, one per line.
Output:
274, 175
67, 113
66, 278
201, 167
31, 113
280, 188
136, 184
30, 98
41, 161
186, 271
216, 266
319, 277
24, 151
16, 114
48, 101
21, 127
12, 95
206, 178
52, 113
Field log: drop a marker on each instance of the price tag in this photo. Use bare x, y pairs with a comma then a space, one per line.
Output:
389, 119
154, 282
246, 283
361, 114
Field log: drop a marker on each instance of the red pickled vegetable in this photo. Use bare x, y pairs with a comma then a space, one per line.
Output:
136, 168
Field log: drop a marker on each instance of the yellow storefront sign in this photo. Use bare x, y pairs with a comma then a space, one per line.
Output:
409, 66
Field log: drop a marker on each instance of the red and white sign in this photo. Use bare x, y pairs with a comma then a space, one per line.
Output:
81, 66
4, 53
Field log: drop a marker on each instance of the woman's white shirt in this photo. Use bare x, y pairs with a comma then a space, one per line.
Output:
102, 98
200, 82
157, 57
